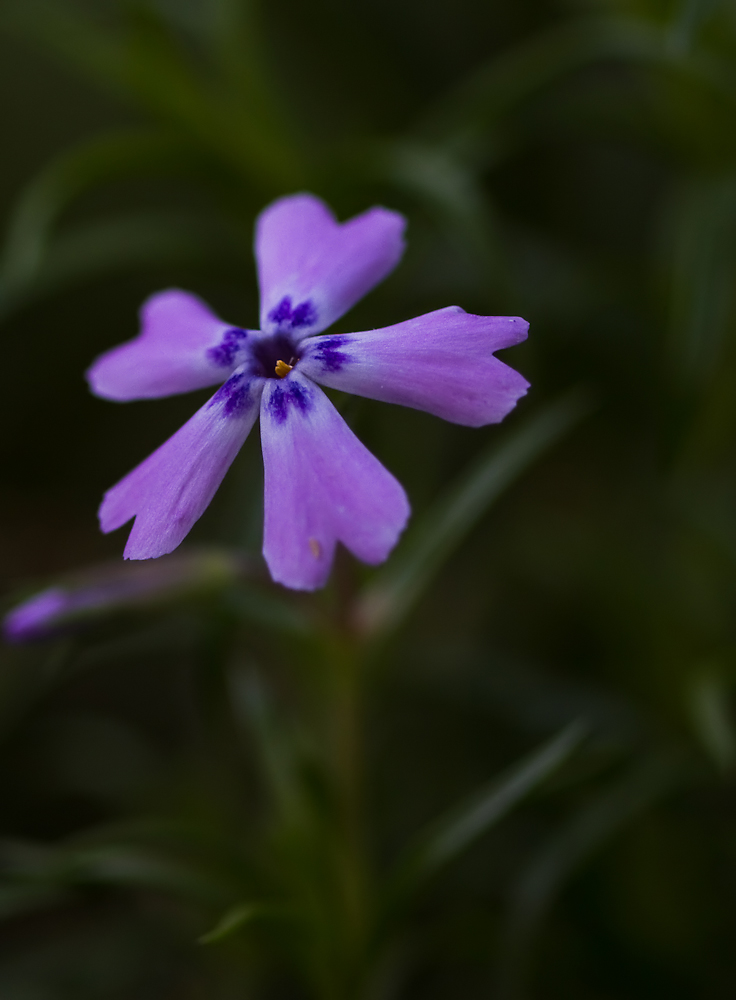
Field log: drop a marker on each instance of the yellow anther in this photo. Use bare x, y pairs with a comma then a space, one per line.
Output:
282, 369
315, 548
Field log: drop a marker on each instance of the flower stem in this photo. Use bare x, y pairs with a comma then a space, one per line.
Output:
351, 869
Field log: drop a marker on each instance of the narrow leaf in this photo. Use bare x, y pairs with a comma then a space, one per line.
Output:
394, 590
231, 921
112, 864
688, 20
452, 835
587, 831
49, 194
506, 82
701, 235
146, 63
453, 192
711, 715
21, 898
126, 241
252, 708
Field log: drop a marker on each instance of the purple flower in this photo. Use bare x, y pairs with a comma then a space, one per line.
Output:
322, 486
102, 590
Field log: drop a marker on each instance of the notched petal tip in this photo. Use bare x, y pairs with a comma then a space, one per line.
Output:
182, 345
171, 489
322, 486
443, 362
312, 268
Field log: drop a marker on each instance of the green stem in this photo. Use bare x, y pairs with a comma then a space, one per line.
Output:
351, 869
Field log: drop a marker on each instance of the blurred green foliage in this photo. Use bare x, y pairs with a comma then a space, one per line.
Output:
501, 765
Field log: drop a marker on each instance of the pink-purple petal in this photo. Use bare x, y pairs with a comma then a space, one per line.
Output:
172, 488
442, 362
322, 486
182, 346
312, 269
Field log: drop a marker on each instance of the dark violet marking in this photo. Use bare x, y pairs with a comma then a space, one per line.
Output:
303, 314
278, 404
225, 352
286, 394
233, 396
282, 312
326, 350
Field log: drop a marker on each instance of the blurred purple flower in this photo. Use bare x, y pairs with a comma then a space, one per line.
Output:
102, 590
321, 484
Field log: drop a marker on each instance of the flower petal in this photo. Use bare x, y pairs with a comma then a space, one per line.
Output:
182, 346
441, 362
322, 486
172, 488
312, 269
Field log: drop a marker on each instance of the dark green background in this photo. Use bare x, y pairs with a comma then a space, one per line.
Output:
573, 163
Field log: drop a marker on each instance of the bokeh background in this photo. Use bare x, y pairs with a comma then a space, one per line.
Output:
569, 161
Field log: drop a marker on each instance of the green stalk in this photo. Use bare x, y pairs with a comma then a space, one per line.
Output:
347, 759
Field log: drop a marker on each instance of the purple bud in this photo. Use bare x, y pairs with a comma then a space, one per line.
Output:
31, 619
102, 590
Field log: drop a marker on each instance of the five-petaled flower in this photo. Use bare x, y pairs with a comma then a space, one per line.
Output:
322, 486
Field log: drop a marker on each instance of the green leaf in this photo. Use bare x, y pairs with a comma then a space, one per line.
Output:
482, 101
126, 241
690, 17
235, 918
253, 709
452, 190
589, 829
238, 48
114, 864
266, 610
708, 699
452, 835
52, 191
18, 898
703, 246
124, 866
146, 63
503, 83
395, 589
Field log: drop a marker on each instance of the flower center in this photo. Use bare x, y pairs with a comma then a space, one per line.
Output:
274, 356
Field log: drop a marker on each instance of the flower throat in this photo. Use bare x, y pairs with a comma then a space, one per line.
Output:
274, 356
